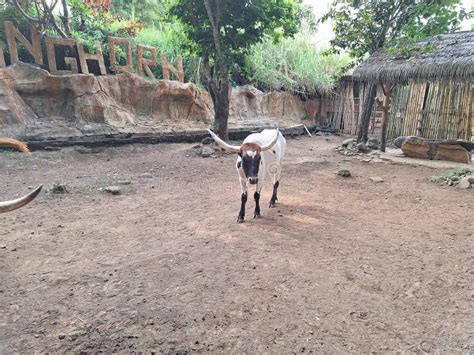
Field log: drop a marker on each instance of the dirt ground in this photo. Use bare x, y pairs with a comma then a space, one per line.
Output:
340, 265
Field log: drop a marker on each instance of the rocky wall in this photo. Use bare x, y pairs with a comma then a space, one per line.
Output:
36, 104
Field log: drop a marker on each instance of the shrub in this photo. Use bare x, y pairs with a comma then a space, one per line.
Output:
295, 65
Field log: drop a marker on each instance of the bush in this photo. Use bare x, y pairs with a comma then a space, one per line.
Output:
294, 65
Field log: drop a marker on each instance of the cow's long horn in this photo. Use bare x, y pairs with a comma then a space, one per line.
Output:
13, 143
8, 206
272, 143
222, 144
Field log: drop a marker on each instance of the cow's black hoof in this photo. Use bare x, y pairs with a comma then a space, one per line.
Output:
240, 219
256, 215
272, 204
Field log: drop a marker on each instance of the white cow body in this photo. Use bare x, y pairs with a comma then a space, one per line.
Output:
259, 159
271, 159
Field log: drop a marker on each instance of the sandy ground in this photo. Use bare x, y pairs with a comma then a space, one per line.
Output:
340, 265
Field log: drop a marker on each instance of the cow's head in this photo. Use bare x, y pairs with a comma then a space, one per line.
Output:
249, 153
11, 205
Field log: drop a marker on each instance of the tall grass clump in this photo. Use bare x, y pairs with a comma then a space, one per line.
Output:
296, 65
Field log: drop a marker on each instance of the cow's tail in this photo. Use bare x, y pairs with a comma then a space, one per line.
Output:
13, 143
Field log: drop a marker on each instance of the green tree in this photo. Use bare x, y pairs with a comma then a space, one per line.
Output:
363, 26
223, 31
149, 12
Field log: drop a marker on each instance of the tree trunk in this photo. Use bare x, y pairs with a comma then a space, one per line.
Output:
368, 105
65, 18
219, 78
219, 89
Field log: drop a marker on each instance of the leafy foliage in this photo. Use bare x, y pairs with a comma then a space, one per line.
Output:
294, 65
361, 27
241, 24
149, 12
223, 31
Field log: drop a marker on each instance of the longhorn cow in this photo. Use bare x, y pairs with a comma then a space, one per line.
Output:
259, 158
11, 205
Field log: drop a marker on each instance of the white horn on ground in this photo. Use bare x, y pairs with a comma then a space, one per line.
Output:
272, 143
12, 205
222, 144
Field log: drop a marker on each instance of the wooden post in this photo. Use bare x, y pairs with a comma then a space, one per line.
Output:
128, 51
84, 57
2, 58
387, 90
34, 47
368, 105
50, 44
167, 67
146, 63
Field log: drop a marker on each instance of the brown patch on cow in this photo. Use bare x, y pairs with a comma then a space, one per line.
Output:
249, 146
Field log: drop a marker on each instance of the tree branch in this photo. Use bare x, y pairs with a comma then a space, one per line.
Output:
48, 12
23, 13
214, 25
65, 18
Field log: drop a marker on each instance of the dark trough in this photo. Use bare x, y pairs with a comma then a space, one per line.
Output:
149, 138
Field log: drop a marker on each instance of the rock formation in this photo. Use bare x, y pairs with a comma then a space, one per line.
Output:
36, 104
453, 150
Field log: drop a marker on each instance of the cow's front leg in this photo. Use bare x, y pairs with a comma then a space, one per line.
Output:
243, 200
256, 196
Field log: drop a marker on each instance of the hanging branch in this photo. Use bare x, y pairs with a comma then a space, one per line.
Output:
23, 13
45, 16
65, 18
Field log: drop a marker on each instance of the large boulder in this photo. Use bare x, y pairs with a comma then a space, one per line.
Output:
453, 150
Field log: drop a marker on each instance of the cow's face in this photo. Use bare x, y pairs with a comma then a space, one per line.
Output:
251, 160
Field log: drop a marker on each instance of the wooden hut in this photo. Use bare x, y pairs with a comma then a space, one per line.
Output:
429, 86
340, 108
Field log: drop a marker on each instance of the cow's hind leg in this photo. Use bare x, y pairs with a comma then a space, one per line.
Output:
276, 183
274, 198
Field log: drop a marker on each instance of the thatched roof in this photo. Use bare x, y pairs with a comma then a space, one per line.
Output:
449, 56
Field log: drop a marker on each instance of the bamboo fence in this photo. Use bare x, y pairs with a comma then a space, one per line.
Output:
436, 110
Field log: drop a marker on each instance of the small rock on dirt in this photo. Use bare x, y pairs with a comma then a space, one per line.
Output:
362, 147
52, 149
124, 182
464, 184
373, 143
62, 336
88, 150
349, 143
59, 188
146, 175
207, 151
114, 190
207, 140
344, 173
376, 179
